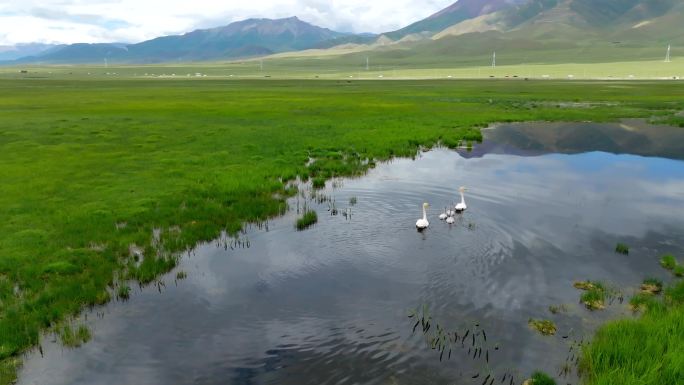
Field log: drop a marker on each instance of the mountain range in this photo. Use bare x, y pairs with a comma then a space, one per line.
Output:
531, 30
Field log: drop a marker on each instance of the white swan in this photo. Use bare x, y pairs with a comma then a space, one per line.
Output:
423, 223
450, 220
461, 207
443, 215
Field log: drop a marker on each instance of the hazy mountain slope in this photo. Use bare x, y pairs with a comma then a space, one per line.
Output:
251, 37
22, 50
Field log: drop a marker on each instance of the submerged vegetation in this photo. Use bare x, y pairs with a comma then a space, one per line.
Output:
92, 167
622, 248
307, 220
545, 327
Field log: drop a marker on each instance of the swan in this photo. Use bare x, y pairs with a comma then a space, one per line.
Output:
423, 223
443, 215
450, 220
450, 213
461, 207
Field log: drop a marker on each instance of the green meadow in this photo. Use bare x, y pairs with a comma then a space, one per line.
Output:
91, 166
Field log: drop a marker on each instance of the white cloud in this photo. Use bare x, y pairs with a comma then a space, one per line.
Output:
91, 21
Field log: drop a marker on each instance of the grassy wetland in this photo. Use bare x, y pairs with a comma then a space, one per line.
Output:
105, 182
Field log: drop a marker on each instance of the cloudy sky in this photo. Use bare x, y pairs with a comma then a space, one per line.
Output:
91, 21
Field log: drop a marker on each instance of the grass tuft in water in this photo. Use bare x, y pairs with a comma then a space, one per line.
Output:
307, 220
545, 327
74, 337
181, 275
123, 292
594, 296
540, 378
668, 261
652, 286
621, 248
318, 182
352, 201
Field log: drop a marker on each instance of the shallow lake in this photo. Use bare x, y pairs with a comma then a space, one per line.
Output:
547, 203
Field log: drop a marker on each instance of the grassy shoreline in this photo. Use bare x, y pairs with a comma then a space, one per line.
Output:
91, 168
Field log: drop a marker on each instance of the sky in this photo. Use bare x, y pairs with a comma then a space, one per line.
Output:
130, 21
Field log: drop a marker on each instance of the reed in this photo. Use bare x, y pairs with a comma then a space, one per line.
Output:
307, 220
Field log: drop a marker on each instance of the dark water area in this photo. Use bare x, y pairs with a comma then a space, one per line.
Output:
329, 305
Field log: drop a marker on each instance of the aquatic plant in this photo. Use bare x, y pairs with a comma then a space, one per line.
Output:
318, 182
678, 271
181, 275
622, 248
652, 286
540, 378
594, 299
545, 327
352, 201
594, 295
74, 337
668, 261
555, 309
123, 292
307, 220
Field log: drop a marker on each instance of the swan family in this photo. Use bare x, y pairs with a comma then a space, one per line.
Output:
447, 215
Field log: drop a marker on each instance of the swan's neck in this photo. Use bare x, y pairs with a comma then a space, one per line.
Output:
424, 214
462, 199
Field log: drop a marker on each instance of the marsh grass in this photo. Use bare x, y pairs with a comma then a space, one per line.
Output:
74, 337
181, 275
678, 271
646, 350
307, 220
123, 292
652, 286
668, 261
640, 301
541, 378
595, 294
622, 248
544, 327
88, 169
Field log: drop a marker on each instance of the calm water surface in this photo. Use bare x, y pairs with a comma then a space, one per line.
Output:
329, 305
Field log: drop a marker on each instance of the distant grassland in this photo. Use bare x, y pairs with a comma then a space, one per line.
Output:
91, 166
336, 68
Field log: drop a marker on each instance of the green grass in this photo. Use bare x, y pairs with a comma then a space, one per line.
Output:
647, 350
678, 271
91, 165
621, 248
541, 378
594, 296
307, 220
668, 261
123, 292
74, 337
652, 286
